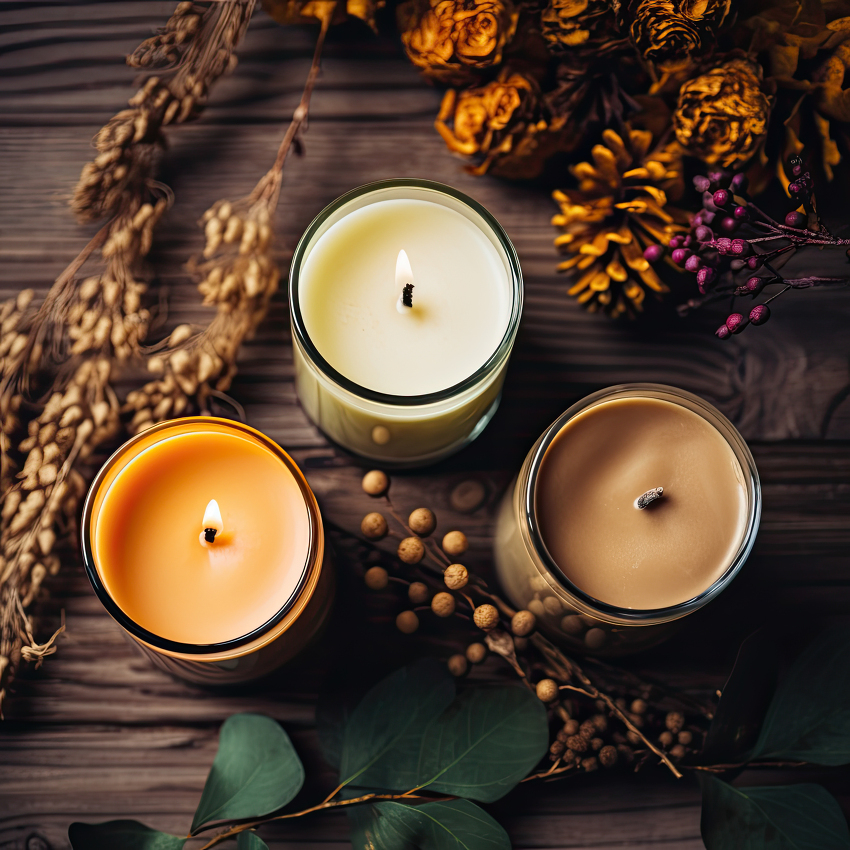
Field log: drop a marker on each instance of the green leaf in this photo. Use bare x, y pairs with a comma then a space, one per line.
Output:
791, 817
809, 716
385, 731
126, 834
744, 701
250, 841
452, 825
484, 743
255, 772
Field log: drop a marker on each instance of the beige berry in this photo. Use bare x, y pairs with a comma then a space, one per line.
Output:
458, 665
638, 706
523, 623
422, 521
376, 578
418, 593
476, 652
443, 604
678, 752
674, 721
411, 550
486, 617
407, 622
685, 737
590, 763
595, 639
572, 624
608, 756
455, 543
456, 576
665, 738
374, 526
547, 690
375, 483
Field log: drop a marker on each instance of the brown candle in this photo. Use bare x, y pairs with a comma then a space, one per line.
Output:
591, 477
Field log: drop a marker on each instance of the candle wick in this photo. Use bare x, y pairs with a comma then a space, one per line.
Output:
407, 295
209, 534
650, 496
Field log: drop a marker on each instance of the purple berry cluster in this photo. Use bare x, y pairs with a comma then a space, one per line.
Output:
731, 237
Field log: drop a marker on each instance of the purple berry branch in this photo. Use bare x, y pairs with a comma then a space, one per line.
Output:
717, 256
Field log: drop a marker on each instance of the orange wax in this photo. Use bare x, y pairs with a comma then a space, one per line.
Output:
148, 520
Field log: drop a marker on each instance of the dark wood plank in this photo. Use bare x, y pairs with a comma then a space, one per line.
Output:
97, 733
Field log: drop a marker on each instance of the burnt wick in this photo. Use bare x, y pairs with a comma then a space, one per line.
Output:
650, 496
209, 534
407, 295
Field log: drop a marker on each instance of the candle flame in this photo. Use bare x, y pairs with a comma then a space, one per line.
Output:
403, 280
212, 522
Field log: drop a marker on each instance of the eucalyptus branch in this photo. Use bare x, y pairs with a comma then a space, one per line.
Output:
233, 831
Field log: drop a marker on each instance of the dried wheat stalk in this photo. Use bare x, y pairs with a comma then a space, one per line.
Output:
89, 328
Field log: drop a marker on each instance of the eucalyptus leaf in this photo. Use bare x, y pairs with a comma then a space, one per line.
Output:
450, 825
809, 716
484, 743
250, 841
126, 834
790, 817
255, 772
744, 701
383, 735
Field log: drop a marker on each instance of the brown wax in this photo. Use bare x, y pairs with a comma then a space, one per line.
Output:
607, 456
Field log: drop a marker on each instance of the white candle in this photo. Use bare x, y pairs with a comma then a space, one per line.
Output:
350, 292
401, 383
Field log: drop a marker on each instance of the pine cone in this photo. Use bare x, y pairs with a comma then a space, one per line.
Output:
722, 116
618, 210
668, 33
449, 39
502, 125
570, 23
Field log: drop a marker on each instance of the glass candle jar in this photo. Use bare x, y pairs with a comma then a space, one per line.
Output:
403, 376
204, 542
630, 564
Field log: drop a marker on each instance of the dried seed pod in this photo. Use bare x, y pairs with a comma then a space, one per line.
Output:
577, 744
556, 748
571, 727
407, 622
374, 526
666, 738
590, 763
422, 521
596, 744
455, 543
547, 690
476, 652
418, 593
458, 665
375, 482
443, 604
587, 729
600, 722
456, 576
411, 550
486, 617
376, 578
523, 623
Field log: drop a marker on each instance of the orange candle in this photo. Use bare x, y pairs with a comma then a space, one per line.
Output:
201, 536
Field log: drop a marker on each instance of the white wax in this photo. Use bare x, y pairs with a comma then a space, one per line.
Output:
462, 297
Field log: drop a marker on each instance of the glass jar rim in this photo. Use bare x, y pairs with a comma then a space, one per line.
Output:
662, 392
300, 330
117, 613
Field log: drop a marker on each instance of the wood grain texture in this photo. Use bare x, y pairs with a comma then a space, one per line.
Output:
97, 733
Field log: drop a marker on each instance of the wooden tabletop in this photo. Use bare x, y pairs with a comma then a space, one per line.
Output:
98, 733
